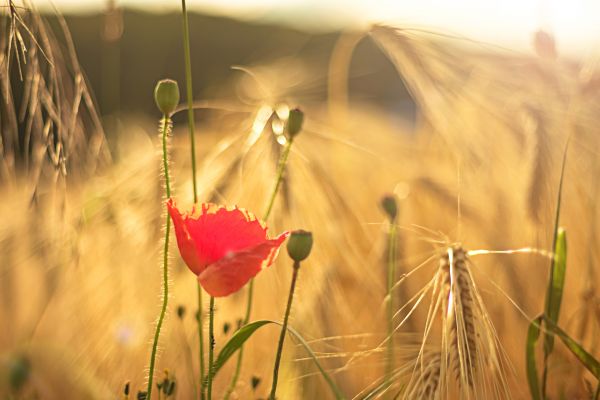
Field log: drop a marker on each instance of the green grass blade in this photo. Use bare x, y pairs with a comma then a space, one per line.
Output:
588, 361
551, 301
245, 332
556, 285
338, 394
533, 334
235, 342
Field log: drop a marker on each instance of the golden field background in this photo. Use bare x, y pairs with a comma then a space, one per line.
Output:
79, 270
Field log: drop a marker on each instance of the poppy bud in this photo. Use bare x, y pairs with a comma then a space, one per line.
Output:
299, 245
294, 122
255, 382
180, 311
19, 369
166, 96
226, 327
390, 206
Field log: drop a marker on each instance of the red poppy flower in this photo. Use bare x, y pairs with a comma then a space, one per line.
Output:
224, 247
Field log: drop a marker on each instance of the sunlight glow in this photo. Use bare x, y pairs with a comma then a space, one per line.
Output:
509, 23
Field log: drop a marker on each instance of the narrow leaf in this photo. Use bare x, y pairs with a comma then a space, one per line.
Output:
245, 332
338, 394
582, 355
556, 285
533, 334
235, 342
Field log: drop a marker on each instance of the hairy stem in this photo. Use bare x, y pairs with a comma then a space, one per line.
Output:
211, 344
165, 128
200, 342
284, 331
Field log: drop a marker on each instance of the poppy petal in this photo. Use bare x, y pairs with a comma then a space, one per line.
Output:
217, 231
185, 242
232, 272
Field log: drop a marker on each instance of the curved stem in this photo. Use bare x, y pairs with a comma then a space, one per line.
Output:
279, 178
284, 330
165, 128
211, 348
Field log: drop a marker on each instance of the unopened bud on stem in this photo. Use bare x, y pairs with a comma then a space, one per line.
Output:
299, 245
390, 206
294, 122
166, 96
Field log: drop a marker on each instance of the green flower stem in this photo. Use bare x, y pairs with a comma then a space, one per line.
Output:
201, 341
280, 170
190, 104
211, 348
189, 94
284, 330
165, 128
390, 303
279, 178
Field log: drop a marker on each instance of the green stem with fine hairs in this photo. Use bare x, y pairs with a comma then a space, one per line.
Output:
390, 306
190, 104
279, 178
200, 341
165, 128
284, 330
211, 345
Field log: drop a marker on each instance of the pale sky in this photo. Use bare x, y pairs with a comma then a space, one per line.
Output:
575, 23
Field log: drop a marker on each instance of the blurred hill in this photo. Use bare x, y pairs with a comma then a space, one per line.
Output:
123, 69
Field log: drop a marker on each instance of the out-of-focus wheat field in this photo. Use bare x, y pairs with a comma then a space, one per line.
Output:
468, 136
